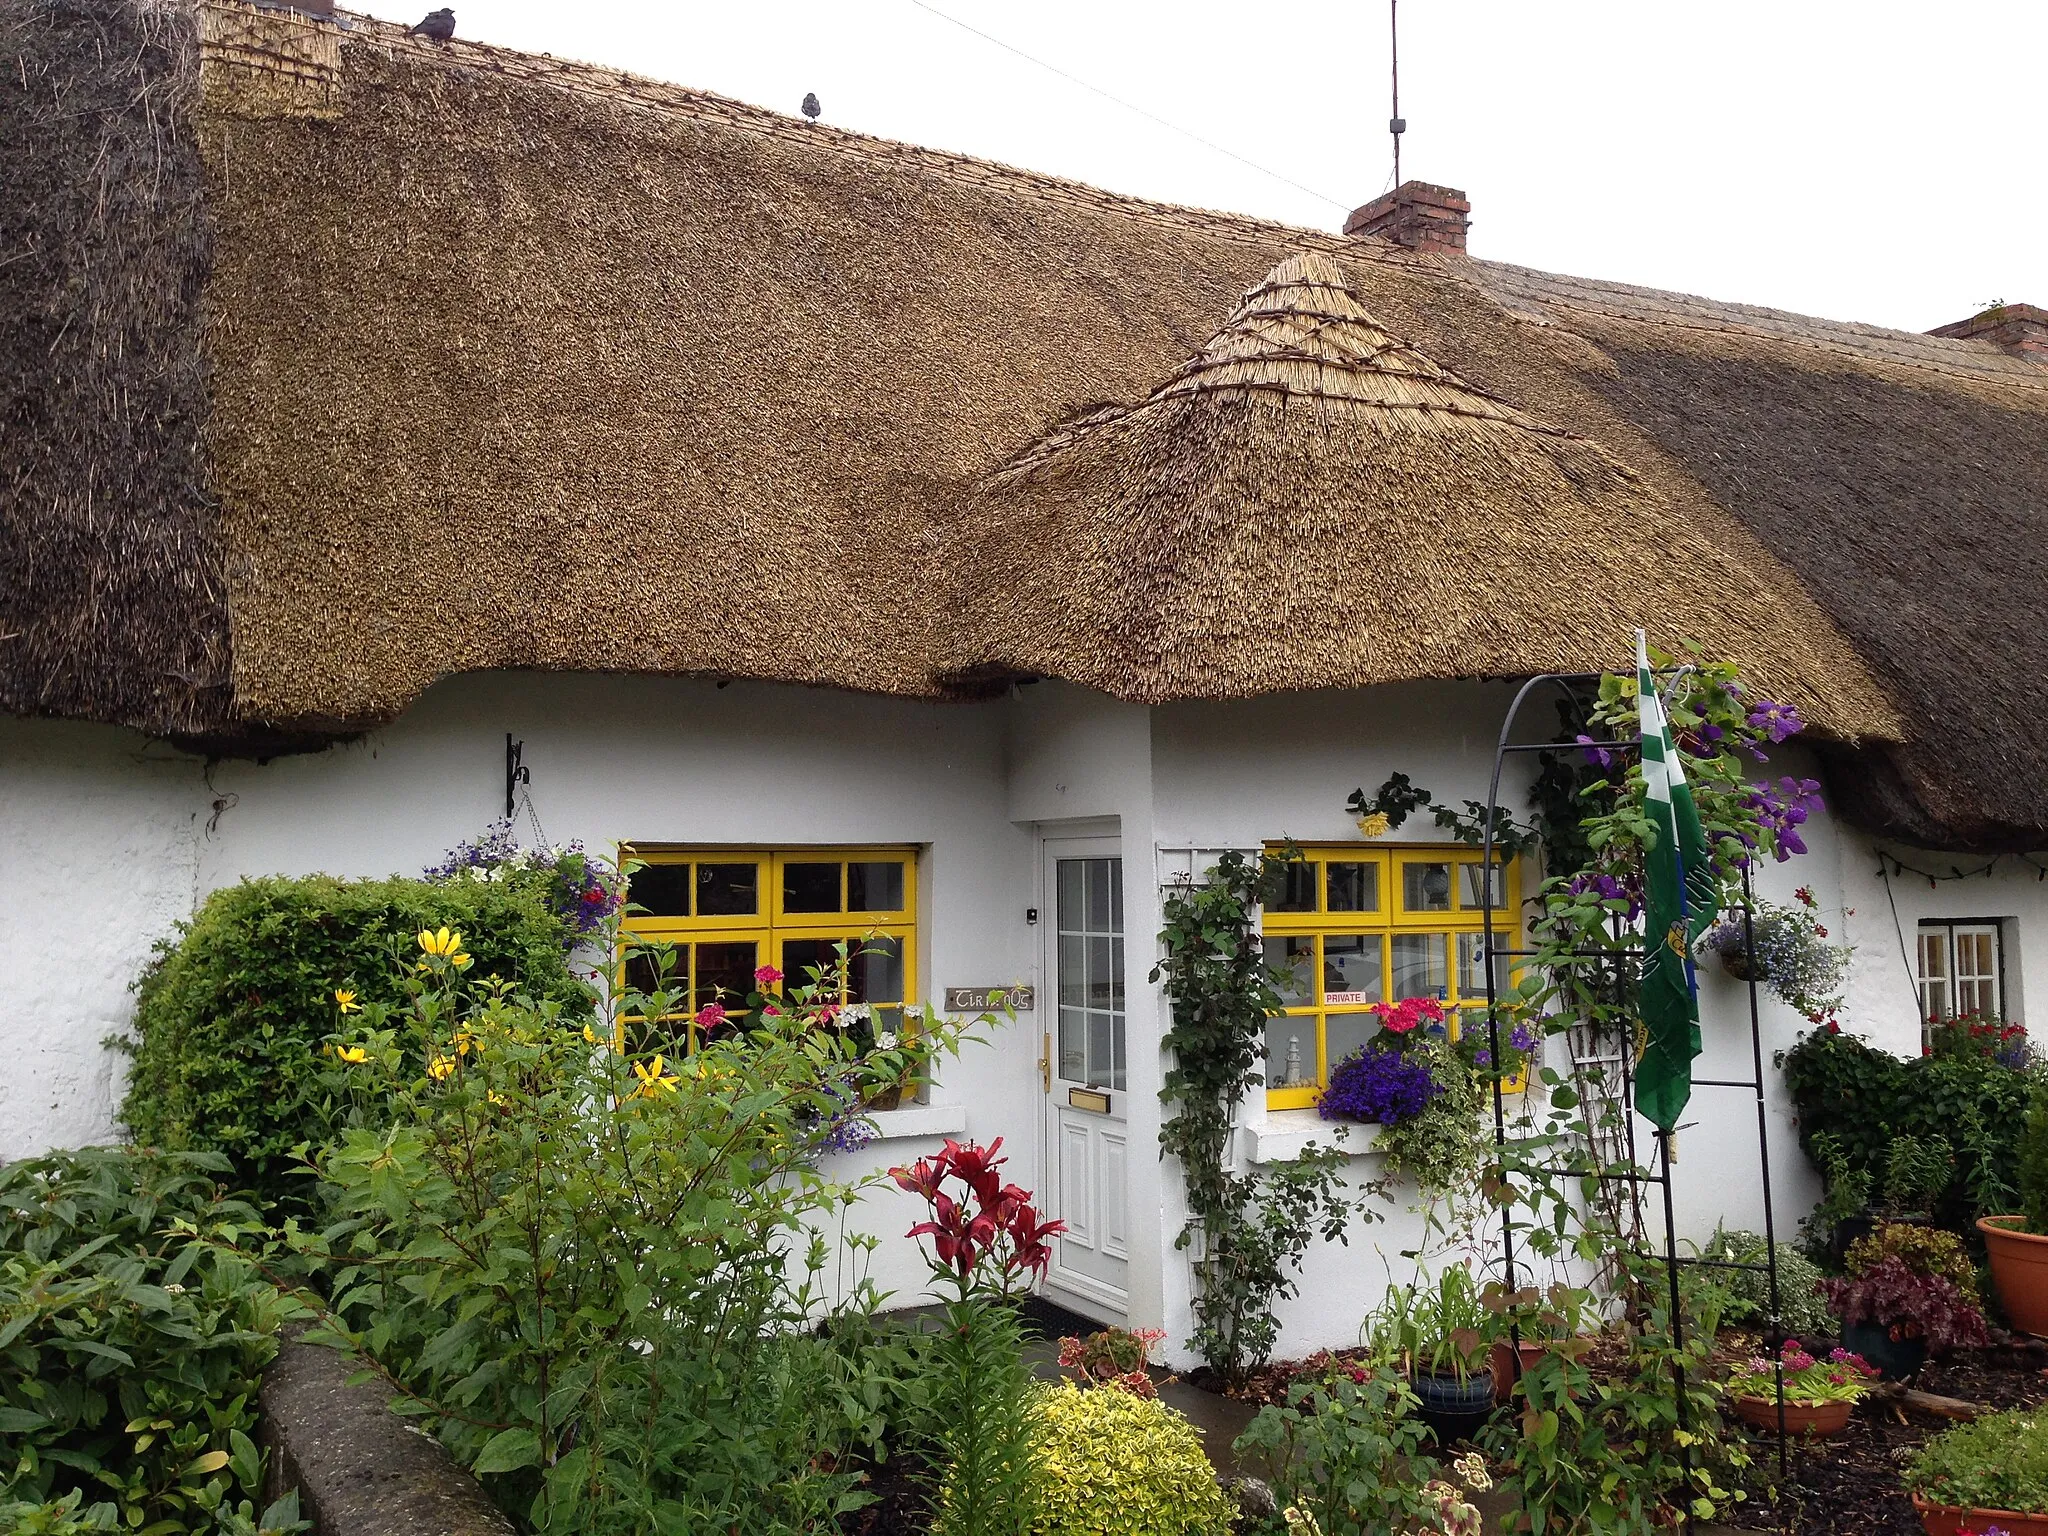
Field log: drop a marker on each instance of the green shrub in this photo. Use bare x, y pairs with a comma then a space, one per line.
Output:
1999, 1462
1863, 1100
1116, 1464
231, 1012
1923, 1250
2032, 1176
132, 1351
1745, 1294
1347, 1452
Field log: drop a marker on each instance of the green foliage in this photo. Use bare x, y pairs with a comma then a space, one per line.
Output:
132, 1340
981, 1421
595, 1272
1856, 1103
1923, 1250
1255, 1226
1442, 1147
1743, 1297
231, 1012
1998, 1462
1116, 1464
2031, 1174
1442, 1329
1349, 1453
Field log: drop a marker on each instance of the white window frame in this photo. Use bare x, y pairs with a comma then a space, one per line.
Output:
1943, 993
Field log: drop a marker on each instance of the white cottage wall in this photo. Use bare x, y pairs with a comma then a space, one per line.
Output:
98, 829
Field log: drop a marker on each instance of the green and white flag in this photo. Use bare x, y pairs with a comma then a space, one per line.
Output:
1680, 891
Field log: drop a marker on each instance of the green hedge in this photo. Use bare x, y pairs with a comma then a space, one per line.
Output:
232, 1010
1866, 1099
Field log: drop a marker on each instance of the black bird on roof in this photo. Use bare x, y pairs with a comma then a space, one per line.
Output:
439, 25
811, 107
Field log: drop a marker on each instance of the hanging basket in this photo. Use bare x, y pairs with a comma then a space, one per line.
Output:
1736, 963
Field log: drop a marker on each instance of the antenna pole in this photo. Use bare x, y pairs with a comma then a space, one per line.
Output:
1396, 125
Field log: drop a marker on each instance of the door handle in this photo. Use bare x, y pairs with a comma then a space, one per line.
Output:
1045, 1061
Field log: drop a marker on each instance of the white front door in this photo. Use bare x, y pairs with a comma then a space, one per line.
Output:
1087, 1141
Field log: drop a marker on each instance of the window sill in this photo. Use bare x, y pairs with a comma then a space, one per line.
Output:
914, 1120
1285, 1134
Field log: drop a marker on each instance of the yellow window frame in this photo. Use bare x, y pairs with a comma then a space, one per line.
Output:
1391, 916
771, 923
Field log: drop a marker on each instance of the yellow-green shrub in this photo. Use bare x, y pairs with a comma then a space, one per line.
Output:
1120, 1465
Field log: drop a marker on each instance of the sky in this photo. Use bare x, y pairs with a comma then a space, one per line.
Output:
1872, 161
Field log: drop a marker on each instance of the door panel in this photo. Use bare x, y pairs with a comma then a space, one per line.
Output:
1087, 1053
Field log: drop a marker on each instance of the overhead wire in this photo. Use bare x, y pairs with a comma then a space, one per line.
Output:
1132, 107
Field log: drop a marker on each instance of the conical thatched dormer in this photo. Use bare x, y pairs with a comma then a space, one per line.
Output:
1311, 502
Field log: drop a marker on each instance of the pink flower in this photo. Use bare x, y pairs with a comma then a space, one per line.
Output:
710, 1016
767, 976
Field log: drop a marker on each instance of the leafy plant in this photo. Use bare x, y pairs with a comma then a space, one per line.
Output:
1923, 1250
591, 1261
1114, 1357
1346, 1452
1117, 1464
2032, 1173
583, 892
1998, 1462
231, 1011
1254, 1226
1744, 1295
988, 1245
1844, 1377
1786, 949
1980, 1037
132, 1340
1425, 1093
1441, 1329
1908, 1304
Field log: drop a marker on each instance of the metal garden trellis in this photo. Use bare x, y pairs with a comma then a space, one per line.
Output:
1636, 1176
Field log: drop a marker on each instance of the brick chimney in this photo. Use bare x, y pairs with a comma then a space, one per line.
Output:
1418, 215
2021, 329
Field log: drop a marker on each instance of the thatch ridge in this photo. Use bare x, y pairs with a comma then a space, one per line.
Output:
113, 602
1312, 501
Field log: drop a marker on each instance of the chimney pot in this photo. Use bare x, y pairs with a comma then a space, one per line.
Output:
2021, 329
1418, 215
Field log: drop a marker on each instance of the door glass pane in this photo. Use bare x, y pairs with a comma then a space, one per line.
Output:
1353, 887
1297, 888
1294, 954
1351, 968
1070, 883
1421, 965
1291, 1050
1099, 1050
875, 973
725, 973
663, 889
1073, 976
1074, 1045
728, 890
1099, 917
1090, 959
874, 885
1474, 887
1099, 970
1426, 887
810, 887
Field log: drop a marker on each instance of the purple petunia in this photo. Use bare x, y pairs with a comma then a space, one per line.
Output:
1377, 1083
1523, 1038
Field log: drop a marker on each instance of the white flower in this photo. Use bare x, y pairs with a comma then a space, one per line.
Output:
885, 1041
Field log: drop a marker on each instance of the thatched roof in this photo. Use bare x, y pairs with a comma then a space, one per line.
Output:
1310, 502
461, 358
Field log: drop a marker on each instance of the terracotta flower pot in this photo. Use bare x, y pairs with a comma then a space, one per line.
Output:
1942, 1520
1814, 1420
1503, 1362
2019, 1268
887, 1098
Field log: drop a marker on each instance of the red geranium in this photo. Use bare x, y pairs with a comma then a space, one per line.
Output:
1399, 1018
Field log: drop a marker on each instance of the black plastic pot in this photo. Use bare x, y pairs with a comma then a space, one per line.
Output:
1454, 1408
1895, 1359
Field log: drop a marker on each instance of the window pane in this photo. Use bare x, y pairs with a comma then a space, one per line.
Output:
1353, 887
1473, 886
1426, 887
728, 890
1351, 968
876, 972
1074, 1045
1099, 972
1296, 956
1472, 975
1297, 892
1291, 1050
1098, 1049
1421, 965
663, 889
1098, 896
1070, 879
1116, 1071
725, 973
644, 971
800, 957
1073, 978
1116, 974
874, 885
1346, 1032
810, 887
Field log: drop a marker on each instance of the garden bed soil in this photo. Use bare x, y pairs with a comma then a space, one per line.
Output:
1852, 1481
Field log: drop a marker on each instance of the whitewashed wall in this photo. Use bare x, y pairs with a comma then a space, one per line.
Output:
108, 840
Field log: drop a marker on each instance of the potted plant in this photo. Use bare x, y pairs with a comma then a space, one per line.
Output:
1818, 1394
1530, 1324
1785, 949
1992, 1474
2017, 1246
1422, 1090
1441, 1337
1909, 1292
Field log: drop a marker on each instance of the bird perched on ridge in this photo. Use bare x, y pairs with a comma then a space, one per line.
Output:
439, 25
811, 107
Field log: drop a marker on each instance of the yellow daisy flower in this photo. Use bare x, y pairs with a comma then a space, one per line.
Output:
440, 1067
346, 1001
654, 1079
354, 1055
